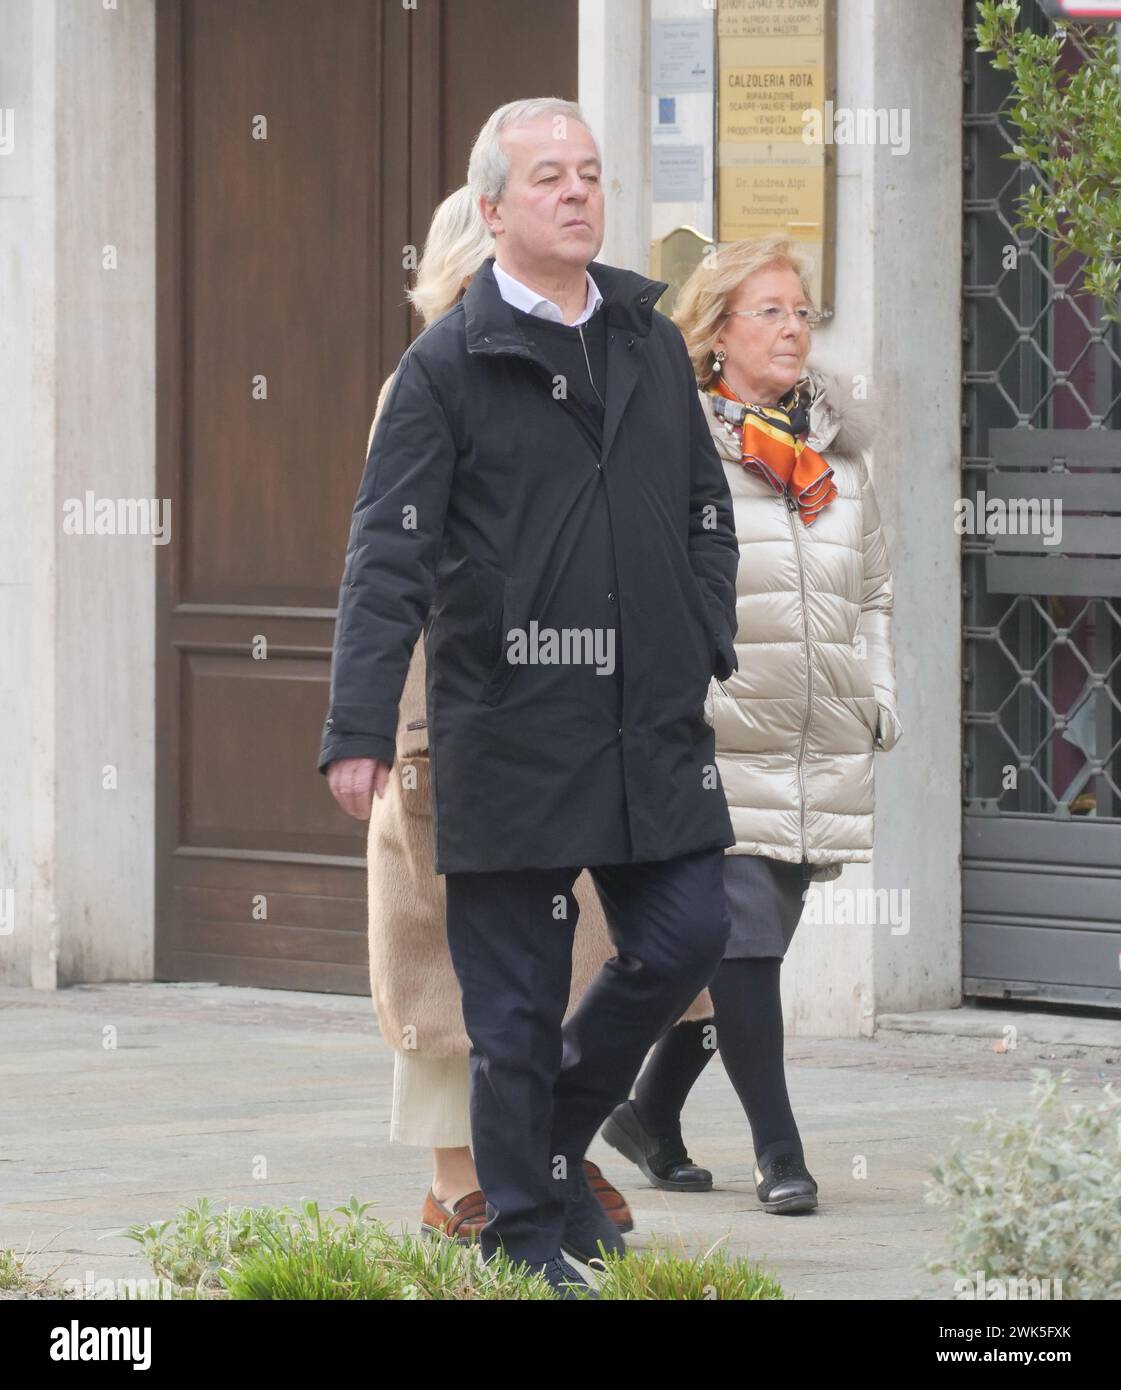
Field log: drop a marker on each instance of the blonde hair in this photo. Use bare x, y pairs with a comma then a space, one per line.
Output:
488, 168
703, 299
457, 244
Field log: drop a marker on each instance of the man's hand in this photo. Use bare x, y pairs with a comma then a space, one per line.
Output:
353, 782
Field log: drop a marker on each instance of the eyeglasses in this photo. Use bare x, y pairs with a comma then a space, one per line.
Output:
773, 315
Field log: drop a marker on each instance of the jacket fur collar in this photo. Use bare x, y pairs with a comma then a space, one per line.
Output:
839, 422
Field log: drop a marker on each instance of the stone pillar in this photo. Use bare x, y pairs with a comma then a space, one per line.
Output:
614, 38
77, 611
898, 320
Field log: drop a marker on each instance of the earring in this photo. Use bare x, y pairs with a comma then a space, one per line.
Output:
719, 357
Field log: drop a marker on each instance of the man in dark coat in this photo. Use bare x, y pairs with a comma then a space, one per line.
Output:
543, 497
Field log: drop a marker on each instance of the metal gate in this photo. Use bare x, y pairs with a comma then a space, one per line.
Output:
1041, 407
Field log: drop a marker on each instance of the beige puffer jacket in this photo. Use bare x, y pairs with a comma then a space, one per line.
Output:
796, 725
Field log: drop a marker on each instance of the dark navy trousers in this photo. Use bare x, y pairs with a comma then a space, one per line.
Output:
540, 1091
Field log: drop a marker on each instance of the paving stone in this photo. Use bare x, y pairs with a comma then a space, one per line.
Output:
207, 1086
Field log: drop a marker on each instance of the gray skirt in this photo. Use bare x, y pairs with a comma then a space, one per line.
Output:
765, 903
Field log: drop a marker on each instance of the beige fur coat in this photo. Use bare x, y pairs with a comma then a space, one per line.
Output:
415, 992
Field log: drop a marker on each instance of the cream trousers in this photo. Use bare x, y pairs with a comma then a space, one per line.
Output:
430, 1101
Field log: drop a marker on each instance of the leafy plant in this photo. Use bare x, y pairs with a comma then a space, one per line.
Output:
1040, 1198
191, 1249
16, 1276
279, 1253
296, 1266
402, 1268
1069, 126
12, 1273
657, 1274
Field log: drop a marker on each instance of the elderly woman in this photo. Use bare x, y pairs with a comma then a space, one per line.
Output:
797, 723
415, 992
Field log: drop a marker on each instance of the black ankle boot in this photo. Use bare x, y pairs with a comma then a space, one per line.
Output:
784, 1185
663, 1160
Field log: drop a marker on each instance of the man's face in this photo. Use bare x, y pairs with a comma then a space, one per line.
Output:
551, 215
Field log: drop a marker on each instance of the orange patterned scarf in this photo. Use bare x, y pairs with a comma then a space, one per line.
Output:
774, 449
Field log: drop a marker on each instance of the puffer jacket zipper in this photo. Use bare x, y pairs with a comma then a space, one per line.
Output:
791, 510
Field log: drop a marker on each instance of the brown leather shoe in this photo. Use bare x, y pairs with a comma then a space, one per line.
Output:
461, 1223
610, 1198
465, 1220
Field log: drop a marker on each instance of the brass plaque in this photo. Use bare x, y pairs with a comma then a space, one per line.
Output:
673, 258
775, 61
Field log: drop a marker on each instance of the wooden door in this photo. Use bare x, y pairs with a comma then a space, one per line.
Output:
301, 147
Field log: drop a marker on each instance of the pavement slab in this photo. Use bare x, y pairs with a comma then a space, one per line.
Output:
120, 1103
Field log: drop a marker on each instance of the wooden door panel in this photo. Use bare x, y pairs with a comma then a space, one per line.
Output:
239, 788
281, 310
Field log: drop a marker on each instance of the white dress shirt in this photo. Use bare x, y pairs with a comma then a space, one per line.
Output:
530, 302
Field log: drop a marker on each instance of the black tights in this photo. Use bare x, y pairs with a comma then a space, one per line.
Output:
748, 1016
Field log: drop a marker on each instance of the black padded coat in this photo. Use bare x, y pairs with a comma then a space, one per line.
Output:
575, 586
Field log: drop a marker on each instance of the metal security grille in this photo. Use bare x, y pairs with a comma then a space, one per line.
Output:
1041, 407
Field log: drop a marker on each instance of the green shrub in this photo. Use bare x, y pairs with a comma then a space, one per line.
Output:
301, 1264
1040, 1198
192, 1249
658, 1274
1069, 128
12, 1274
279, 1253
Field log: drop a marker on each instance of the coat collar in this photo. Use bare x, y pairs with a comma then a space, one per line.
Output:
628, 305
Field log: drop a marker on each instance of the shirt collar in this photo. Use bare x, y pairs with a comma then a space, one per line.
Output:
530, 302
488, 321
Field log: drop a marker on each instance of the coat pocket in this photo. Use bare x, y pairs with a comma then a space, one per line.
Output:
700, 609
461, 633
868, 709
890, 730
513, 619
483, 625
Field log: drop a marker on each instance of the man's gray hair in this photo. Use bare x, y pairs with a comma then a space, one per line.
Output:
489, 166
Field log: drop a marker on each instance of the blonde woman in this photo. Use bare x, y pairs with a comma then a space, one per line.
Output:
415, 992
813, 697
